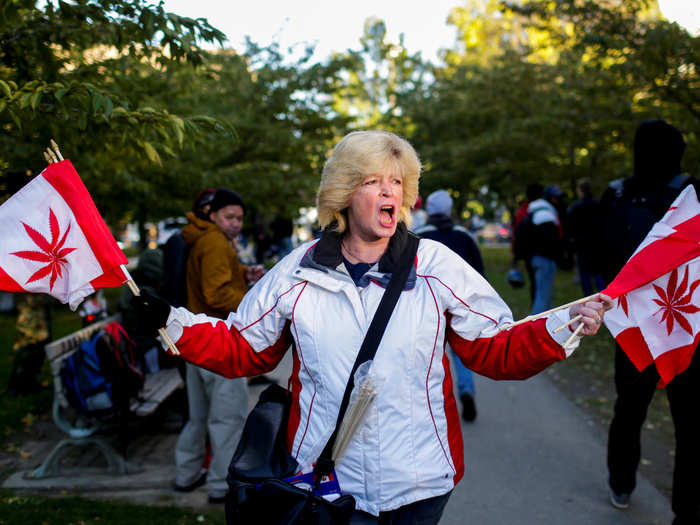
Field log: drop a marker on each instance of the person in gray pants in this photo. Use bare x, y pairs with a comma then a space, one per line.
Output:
216, 283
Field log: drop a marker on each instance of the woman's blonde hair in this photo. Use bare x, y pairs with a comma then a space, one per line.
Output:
357, 155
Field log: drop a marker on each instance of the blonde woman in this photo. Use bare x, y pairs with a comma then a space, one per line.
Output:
407, 456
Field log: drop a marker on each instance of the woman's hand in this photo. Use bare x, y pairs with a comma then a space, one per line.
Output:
592, 312
151, 310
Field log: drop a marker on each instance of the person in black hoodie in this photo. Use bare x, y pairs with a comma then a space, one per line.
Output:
629, 209
441, 228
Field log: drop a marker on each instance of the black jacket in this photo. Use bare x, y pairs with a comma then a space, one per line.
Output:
441, 228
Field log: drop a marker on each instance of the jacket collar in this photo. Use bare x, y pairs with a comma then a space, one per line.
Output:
327, 251
326, 257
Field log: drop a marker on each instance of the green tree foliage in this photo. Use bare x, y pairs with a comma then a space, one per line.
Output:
550, 92
377, 77
80, 72
149, 118
532, 91
281, 111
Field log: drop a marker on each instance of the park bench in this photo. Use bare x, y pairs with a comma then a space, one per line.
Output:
81, 430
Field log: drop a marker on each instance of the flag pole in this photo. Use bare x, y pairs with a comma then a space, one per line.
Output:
161, 331
570, 321
53, 154
573, 336
545, 314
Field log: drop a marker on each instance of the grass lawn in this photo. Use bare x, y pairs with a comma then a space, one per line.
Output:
18, 412
33, 510
586, 379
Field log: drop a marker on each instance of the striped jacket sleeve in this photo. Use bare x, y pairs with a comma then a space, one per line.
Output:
475, 315
251, 340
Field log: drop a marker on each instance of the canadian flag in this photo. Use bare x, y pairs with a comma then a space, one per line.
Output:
656, 319
54, 240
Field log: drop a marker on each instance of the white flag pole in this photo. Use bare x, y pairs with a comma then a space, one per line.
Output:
573, 336
570, 321
545, 314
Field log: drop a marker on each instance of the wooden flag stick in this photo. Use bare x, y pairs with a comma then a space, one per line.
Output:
57, 151
51, 155
161, 331
545, 314
570, 321
571, 338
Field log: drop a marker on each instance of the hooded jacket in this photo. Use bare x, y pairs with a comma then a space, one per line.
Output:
441, 228
539, 232
409, 445
215, 280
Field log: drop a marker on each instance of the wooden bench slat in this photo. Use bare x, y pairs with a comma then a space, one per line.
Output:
157, 387
61, 348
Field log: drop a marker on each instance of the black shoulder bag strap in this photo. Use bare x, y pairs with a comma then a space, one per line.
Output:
324, 464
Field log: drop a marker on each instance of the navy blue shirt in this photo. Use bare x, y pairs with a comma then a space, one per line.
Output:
356, 271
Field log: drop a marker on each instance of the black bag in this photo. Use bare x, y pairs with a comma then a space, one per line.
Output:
262, 452
261, 460
257, 493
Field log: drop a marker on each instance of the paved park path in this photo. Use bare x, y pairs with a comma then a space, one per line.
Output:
532, 457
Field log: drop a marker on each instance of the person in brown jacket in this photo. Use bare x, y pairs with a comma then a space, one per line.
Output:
216, 283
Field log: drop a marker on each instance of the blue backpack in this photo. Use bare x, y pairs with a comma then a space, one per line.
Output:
102, 376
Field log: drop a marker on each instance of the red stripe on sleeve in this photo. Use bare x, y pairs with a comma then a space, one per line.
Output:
226, 352
295, 410
518, 353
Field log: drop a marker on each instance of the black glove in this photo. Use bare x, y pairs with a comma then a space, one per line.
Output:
152, 311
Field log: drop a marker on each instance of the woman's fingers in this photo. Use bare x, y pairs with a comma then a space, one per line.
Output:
592, 313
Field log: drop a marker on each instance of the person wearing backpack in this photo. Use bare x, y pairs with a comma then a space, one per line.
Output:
629, 209
218, 406
175, 251
440, 227
537, 241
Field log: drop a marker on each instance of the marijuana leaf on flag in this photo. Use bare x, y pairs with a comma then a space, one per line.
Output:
657, 319
55, 241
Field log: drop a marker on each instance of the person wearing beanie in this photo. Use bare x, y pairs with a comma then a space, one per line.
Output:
216, 283
629, 208
202, 202
441, 228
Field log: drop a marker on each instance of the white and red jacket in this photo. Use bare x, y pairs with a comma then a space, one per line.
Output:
409, 446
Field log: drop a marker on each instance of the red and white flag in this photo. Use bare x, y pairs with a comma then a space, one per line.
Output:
657, 318
54, 240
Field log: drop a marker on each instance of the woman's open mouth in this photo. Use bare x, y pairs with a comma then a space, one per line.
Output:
386, 215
